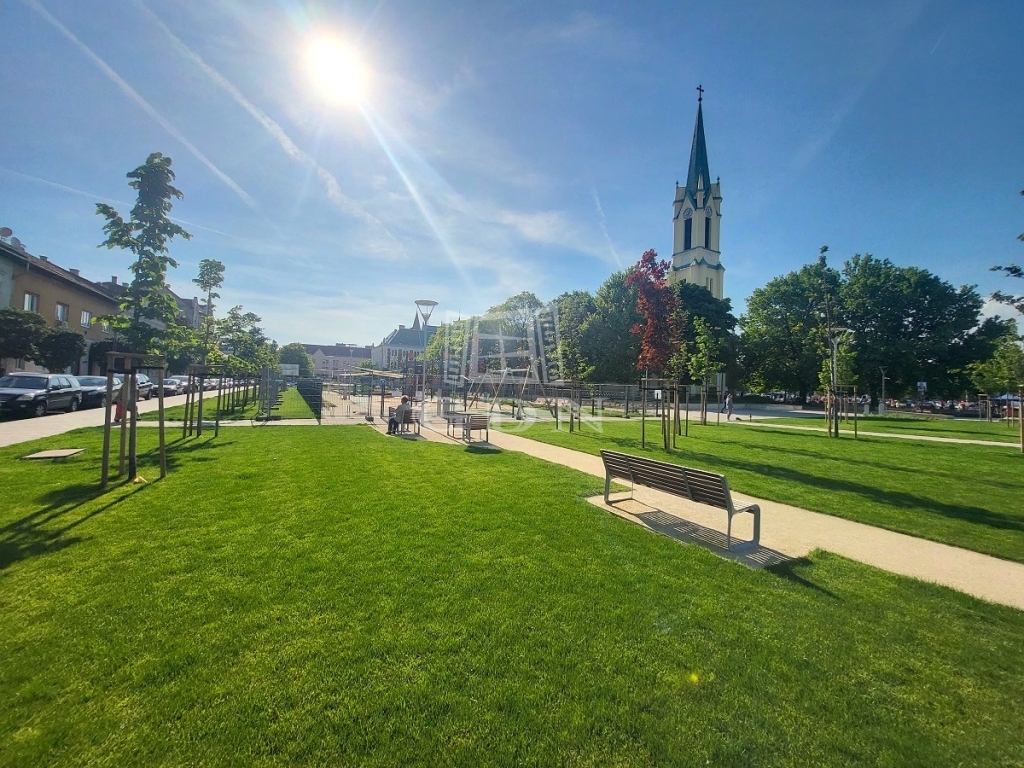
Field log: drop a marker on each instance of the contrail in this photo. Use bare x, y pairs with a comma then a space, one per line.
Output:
142, 103
334, 193
604, 227
114, 201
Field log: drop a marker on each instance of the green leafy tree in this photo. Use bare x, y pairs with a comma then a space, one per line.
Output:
60, 349
704, 360
693, 301
447, 345
296, 354
20, 334
608, 348
211, 277
1004, 370
514, 320
574, 308
783, 329
243, 338
151, 310
1013, 270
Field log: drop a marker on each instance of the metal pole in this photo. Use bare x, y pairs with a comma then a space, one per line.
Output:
108, 403
132, 413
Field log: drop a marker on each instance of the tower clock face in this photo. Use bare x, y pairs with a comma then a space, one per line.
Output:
709, 212
687, 213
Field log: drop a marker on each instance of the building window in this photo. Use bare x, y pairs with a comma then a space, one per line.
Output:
707, 233
86, 318
31, 302
62, 313
105, 326
688, 235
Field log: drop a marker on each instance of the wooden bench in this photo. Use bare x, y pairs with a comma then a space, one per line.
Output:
476, 423
693, 484
412, 418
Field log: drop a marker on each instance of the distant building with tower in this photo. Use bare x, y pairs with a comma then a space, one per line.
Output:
696, 220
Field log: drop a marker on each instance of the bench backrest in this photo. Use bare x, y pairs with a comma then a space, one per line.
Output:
660, 475
708, 488
695, 484
478, 422
616, 464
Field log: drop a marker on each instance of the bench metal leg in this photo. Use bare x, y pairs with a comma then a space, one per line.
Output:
754, 510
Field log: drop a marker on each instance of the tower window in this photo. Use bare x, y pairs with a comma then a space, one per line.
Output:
688, 235
707, 233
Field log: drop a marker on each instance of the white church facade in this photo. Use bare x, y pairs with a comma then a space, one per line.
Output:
696, 220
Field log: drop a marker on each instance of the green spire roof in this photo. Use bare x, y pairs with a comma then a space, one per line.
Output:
698, 160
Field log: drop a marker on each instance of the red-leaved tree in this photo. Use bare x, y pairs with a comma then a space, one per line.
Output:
657, 304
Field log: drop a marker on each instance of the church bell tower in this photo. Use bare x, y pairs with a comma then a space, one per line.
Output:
696, 219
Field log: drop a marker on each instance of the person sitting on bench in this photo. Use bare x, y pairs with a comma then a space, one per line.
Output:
395, 421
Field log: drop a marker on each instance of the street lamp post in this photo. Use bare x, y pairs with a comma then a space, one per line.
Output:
425, 307
881, 403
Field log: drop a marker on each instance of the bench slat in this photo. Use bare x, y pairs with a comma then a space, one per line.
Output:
697, 485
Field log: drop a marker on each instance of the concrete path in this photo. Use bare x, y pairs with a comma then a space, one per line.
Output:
786, 532
14, 431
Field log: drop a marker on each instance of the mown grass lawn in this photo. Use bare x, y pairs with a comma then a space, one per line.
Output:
292, 406
303, 595
966, 429
965, 495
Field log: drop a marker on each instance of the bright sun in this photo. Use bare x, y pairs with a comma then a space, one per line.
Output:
335, 70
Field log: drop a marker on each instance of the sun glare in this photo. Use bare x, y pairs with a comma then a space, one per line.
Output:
335, 70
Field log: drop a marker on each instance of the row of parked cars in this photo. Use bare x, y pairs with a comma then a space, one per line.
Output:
36, 394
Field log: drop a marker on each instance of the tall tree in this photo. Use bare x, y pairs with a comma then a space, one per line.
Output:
242, 337
607, 346
146, 234
1004, 371
296, 354
782, 329
211, 277
704, 360
60, 349
573, 310
657, 305
20, 334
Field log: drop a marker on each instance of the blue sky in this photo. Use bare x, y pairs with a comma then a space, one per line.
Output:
502, 147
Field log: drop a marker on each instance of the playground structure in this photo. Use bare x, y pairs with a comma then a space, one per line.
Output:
128, 365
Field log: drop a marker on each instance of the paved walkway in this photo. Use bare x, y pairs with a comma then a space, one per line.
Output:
786, 532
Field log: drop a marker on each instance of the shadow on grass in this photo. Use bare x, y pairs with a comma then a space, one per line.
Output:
787, 571
889, 498
32, 535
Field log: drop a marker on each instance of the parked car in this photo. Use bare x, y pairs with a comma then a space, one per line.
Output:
33, 394
182, 383
173, 386
145, 386
94, 390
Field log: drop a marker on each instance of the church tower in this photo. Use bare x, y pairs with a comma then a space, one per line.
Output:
696, 220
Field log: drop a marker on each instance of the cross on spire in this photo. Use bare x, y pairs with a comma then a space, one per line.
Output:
700, 92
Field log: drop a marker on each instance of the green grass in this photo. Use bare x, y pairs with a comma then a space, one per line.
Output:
292, 406
965, 495
967, 429
331, 596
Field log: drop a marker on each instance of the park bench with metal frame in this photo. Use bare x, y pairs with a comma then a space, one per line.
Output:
696, 485
476, 423
411, 418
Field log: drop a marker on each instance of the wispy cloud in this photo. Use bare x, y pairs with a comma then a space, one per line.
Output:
148, 108
333, 189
